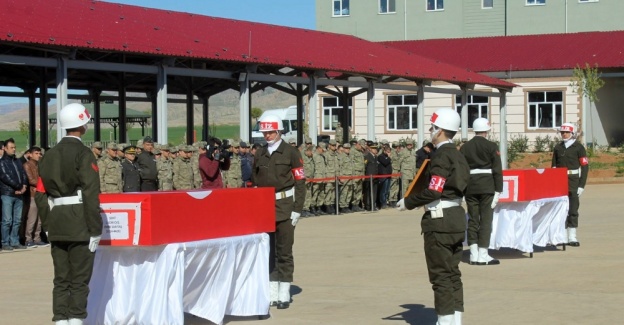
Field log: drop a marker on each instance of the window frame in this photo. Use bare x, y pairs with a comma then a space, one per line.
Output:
588, 1
342, 8
528, 104
388, 12
436, 3
412, 113
470, 102
535, 3
483, 4
332, 129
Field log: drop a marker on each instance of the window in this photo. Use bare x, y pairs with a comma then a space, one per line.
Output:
387, 6
402, 112
341, 8
587, 1
487, 4
545, 109
478, 106
332, 110
535, 2
434, 5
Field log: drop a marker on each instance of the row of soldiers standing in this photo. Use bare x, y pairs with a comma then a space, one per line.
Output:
325, 162
177, 167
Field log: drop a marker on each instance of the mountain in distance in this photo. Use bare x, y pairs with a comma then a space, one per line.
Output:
223, 108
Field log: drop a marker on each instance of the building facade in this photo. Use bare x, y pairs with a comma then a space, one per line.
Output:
387, 20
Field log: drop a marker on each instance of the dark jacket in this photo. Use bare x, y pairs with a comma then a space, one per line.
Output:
421, 155
282, 170
370, 164
384, 165
130, 176
482, 153
147, 166
448, 174
66, 168
246, 162
12, 175
572, 158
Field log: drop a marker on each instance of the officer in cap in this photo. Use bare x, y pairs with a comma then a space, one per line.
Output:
571, 154
69, 206
331, 171
371, 169
484, 189
110, 170
444, 222
130, 171
96, 148
395, 181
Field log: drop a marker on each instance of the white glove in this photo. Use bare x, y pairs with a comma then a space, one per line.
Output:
495, 200
580, 191
294, 216
93, 243
401, 205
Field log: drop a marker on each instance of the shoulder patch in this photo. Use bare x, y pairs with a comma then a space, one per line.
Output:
584, 161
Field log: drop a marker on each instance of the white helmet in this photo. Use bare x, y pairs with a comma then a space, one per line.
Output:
481, 125
271, 123
447, 119
73, 116
568, 127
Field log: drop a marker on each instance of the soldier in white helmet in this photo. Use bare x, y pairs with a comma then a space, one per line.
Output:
571, 154
444, 222
280, 166
484, 189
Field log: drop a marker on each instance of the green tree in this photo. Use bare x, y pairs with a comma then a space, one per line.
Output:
256, 112
587, 81
23, 129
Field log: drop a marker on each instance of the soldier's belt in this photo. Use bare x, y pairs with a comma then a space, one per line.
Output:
284, 194
65, 200
574, 171
480, 171
442, 204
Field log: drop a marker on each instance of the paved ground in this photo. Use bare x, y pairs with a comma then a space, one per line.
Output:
370, 269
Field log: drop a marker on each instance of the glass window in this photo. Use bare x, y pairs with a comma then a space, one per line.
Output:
535, 2
545, 109
387, 6
433, 5
402, 112
488, 4
341, 8
478, 106
332, 110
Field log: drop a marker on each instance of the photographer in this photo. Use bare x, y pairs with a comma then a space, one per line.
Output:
213, 162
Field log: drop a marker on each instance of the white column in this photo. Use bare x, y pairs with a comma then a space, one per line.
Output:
464, 115
312, 110
420, 115
243, 101
503, 129
161, 105
61, 94
370, 112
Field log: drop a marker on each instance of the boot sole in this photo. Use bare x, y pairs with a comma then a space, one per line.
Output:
493, 262
574, 244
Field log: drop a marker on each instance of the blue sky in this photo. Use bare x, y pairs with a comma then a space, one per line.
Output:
294, 13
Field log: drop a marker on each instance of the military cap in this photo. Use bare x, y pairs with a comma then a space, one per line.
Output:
362, 142
202, 144
308, 140
346, 145
164, 147
111, 145
395, 144
323, 145
353, 141
409, 141
187, 149
332, 142
156, 152
384, 141
140, 143
96, 144
243, 144
130, 150
148, 139
174, 149
372, 145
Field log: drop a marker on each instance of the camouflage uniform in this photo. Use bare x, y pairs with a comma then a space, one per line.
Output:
195, 164
407, 165
110, 172
346, 185
395, 180
308, 170
183, 172
331, 161
357, 156
165, 173
318, 188
233, 177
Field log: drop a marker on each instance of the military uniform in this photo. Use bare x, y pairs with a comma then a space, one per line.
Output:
486, 178
318, 188
195, 165
69, 171
308, 169
331, 161
346, 185
110, 173
338, 136
131, 176
395, 181
407, 166
448, 176
183, 174
165, 173
149, 173
575, 160
233, 177
371, 168
282, 170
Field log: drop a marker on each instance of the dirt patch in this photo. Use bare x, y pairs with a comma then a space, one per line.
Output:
603, 165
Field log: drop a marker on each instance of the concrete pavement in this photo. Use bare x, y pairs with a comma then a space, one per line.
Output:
369, 268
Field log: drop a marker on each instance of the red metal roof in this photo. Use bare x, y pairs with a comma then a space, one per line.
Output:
124, 28
524, 53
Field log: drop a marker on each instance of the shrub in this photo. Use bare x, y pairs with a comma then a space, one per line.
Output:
518, 145
551, 145
542, 143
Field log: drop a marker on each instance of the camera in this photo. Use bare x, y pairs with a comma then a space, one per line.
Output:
218, 149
